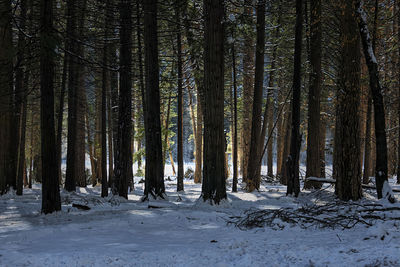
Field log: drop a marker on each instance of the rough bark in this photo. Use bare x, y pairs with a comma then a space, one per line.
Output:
313, 164
6, 88
295, 143
235, 121
248, 81
154, 180
381, 171
347, 171
70, 178
21, 96
50, 190
253, 169
180, 99
123, 167
213, 187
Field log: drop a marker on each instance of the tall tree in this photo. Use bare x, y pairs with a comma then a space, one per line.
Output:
179, 6
70, 178
381, 170
253, 170
235, 121
293, 159
248, 89
50, 190
347, 142
313, 163
123, 167
105, 88
21, 97
154, 180
6, 90
213, 187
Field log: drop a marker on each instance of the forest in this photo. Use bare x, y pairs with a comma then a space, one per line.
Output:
256, 132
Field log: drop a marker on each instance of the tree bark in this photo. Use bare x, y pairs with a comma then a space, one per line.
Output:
381, 171
50, 190
21, 93
235, 120
253, 169
123, 167
313, 164
347, 171
154, 180
6, 90
180, 99
248, 90
295, 143
213, 187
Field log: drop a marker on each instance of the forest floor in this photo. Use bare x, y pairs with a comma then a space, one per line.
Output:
186, 232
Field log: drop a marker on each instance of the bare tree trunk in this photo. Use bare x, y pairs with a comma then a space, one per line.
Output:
180, 99
154, 184
381, 171
123, 161
347, 142
235, 120
50, 190
253, 169
313, 139
6, 90
248, 91
295, 143
21, 93
213, 187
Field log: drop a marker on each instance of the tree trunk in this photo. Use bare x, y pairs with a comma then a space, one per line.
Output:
235, 120
21, 93
295, 143
313, 139
381, 171
123, 166
347, 142
248, 90
70, 178
253, 169
104, 90
50, 190
180, 99
154, 181
213, 187
6, 89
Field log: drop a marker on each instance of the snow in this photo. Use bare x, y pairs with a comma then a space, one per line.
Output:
183, 231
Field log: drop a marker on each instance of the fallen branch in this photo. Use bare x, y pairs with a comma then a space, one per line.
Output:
333, 181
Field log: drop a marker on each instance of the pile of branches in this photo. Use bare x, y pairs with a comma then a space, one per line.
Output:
335, 215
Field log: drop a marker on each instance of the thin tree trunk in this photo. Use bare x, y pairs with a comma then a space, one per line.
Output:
248, 90
381, 171
235, 120
180, 99
6, 90
253, 169
313, 139
21, 92
104, 90
295, 143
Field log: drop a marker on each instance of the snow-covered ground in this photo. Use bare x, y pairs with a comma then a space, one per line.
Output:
182, 232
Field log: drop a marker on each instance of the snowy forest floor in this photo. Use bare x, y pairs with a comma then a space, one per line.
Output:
186, 232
